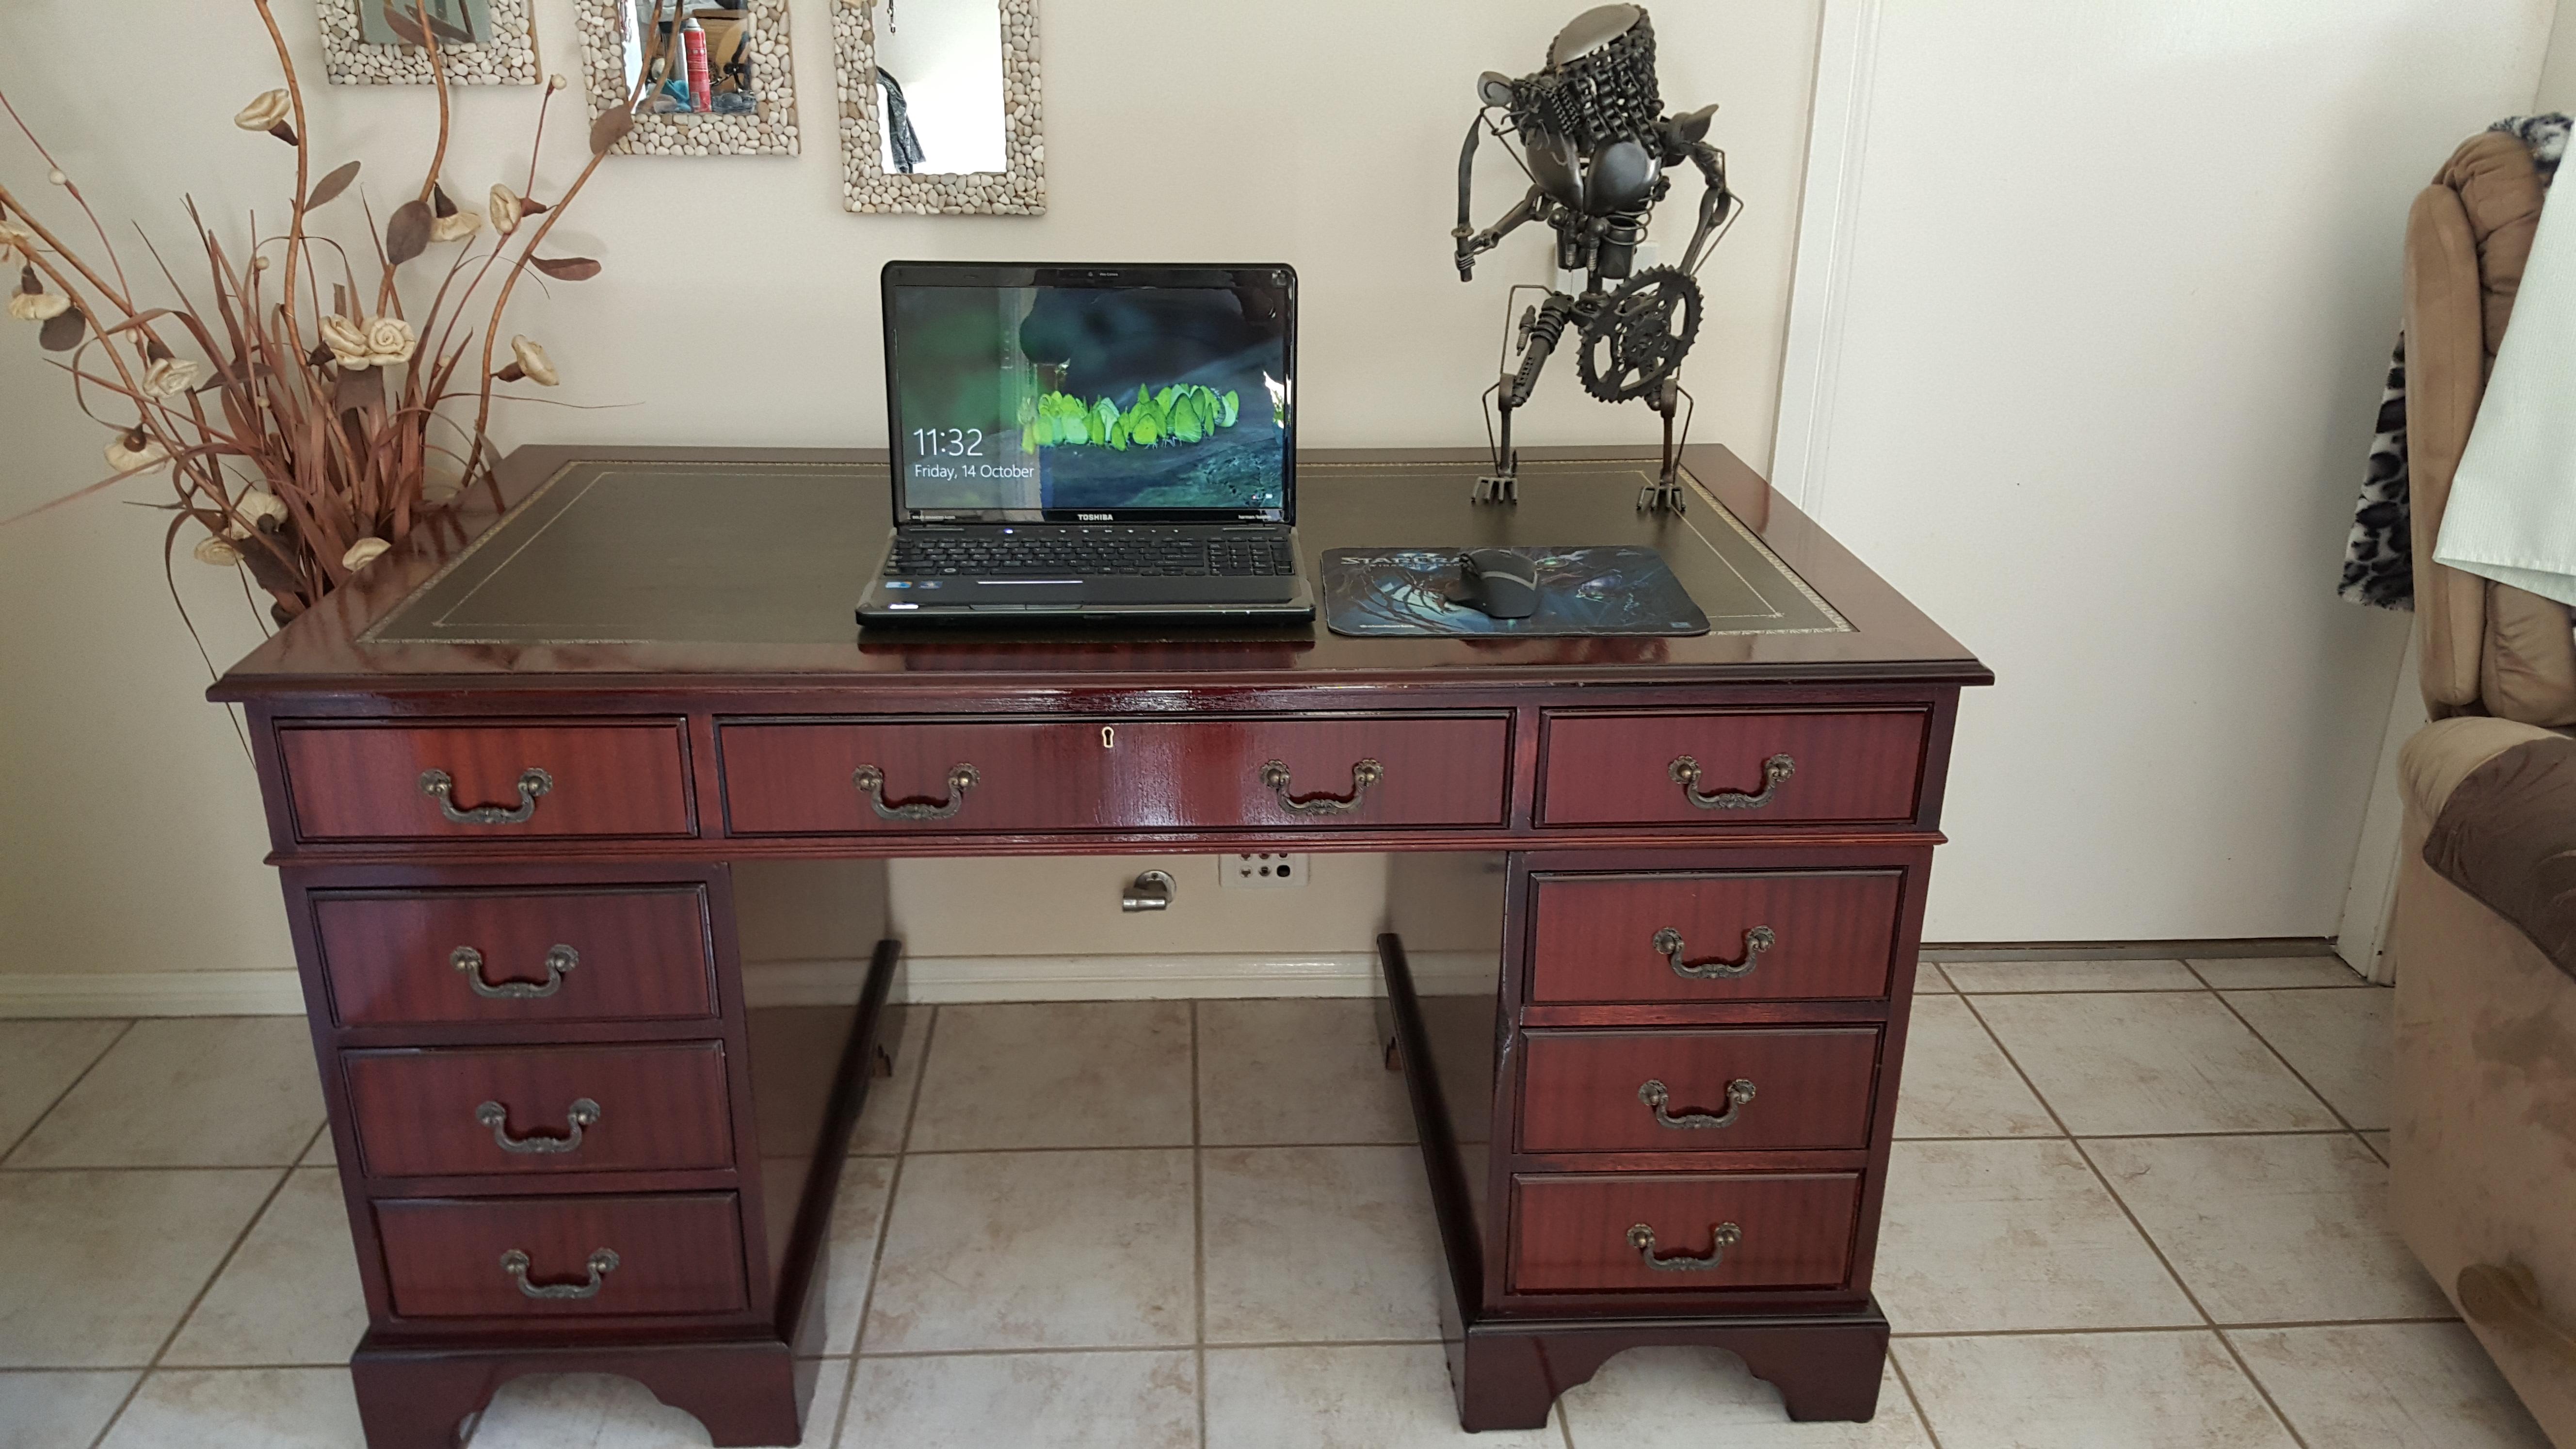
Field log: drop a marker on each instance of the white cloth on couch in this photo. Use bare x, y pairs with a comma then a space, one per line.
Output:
2512, 512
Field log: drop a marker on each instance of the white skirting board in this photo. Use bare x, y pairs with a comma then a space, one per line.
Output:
934, 980
151, 993
929, 979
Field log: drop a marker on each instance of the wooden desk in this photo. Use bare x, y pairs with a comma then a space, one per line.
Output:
510, 773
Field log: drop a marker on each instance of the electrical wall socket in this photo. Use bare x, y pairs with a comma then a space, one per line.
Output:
1263, 871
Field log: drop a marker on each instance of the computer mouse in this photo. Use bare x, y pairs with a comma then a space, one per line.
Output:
1498, 582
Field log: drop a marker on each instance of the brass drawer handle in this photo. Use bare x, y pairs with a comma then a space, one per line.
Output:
583, 1114
533, 782
558, 961
1668, 944
1722, 1236
602, 1263
1685, 773
1363, 775
871, 783
1738, 1092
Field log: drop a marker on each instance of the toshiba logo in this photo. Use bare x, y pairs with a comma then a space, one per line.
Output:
1096, 517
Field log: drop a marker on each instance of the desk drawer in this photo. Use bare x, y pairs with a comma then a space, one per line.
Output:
1802, 1092
519, 956
563, 1109
935, 777
451, 1258
501, 781
1583, 1234
1782, 1090
1709, 936
1622, 769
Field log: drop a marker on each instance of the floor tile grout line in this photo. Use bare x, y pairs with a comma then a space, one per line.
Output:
2222, 1327
2208, 1320
1101, 1348
2140, 1136
1129, 1147
849, 1395
885, 1218
1198, 1234
196, 1300
2014, 1062
2301, 1077
2095, 1168
68, 1088
1922, 1415
2261, 1389
2191, 1296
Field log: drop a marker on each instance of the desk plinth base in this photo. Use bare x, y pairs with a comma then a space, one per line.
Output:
755, 1392
1507, 1372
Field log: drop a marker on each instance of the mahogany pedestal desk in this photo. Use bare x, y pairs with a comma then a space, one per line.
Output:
1654, 906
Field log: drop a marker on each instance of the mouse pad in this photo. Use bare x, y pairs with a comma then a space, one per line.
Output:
1614, 589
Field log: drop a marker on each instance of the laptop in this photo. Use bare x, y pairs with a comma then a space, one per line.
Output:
1090, 442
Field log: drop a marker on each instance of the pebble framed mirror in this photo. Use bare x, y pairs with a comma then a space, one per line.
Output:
939, 106
480, 43
706, 77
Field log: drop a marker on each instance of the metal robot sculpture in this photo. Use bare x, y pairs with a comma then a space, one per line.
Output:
1597, 151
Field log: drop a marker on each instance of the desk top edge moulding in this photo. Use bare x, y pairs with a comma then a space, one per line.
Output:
1654, 906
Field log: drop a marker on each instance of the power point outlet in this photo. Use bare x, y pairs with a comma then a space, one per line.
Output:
1263, 871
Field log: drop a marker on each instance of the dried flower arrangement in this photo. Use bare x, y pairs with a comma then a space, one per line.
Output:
304, 443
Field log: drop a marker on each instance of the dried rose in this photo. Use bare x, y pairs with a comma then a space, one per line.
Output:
38, 306
362, 553
268, 112
347, 339
457, 227
529, 361
171, 376
135, 450
505, 210
15, 239
390, 340
217, 551
376, 342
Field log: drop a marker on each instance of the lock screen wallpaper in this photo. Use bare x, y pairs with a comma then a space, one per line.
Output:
1054, 401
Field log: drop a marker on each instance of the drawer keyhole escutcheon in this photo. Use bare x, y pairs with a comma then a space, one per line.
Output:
558, 961
583, 1114
1109, 737
1722, 1236
441, 787
1655, 1095
871, 783
601, 1264
1363, 775
1775, 770
1668, 944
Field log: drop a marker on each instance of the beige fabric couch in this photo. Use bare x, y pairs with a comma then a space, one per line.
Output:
2483, 1179
2484, 1183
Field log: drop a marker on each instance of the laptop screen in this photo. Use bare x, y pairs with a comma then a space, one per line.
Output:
1091, 394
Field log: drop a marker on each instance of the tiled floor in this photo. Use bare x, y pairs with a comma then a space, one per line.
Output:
2134, 1204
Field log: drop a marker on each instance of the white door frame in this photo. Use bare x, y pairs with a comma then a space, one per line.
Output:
1838, 127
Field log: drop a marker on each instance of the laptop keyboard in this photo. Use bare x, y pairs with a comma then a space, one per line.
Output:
1134, 552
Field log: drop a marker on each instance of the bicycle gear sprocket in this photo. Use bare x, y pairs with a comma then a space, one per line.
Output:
1641, 335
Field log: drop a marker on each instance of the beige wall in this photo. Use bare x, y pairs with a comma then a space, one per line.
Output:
1324, 132
2558, 65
